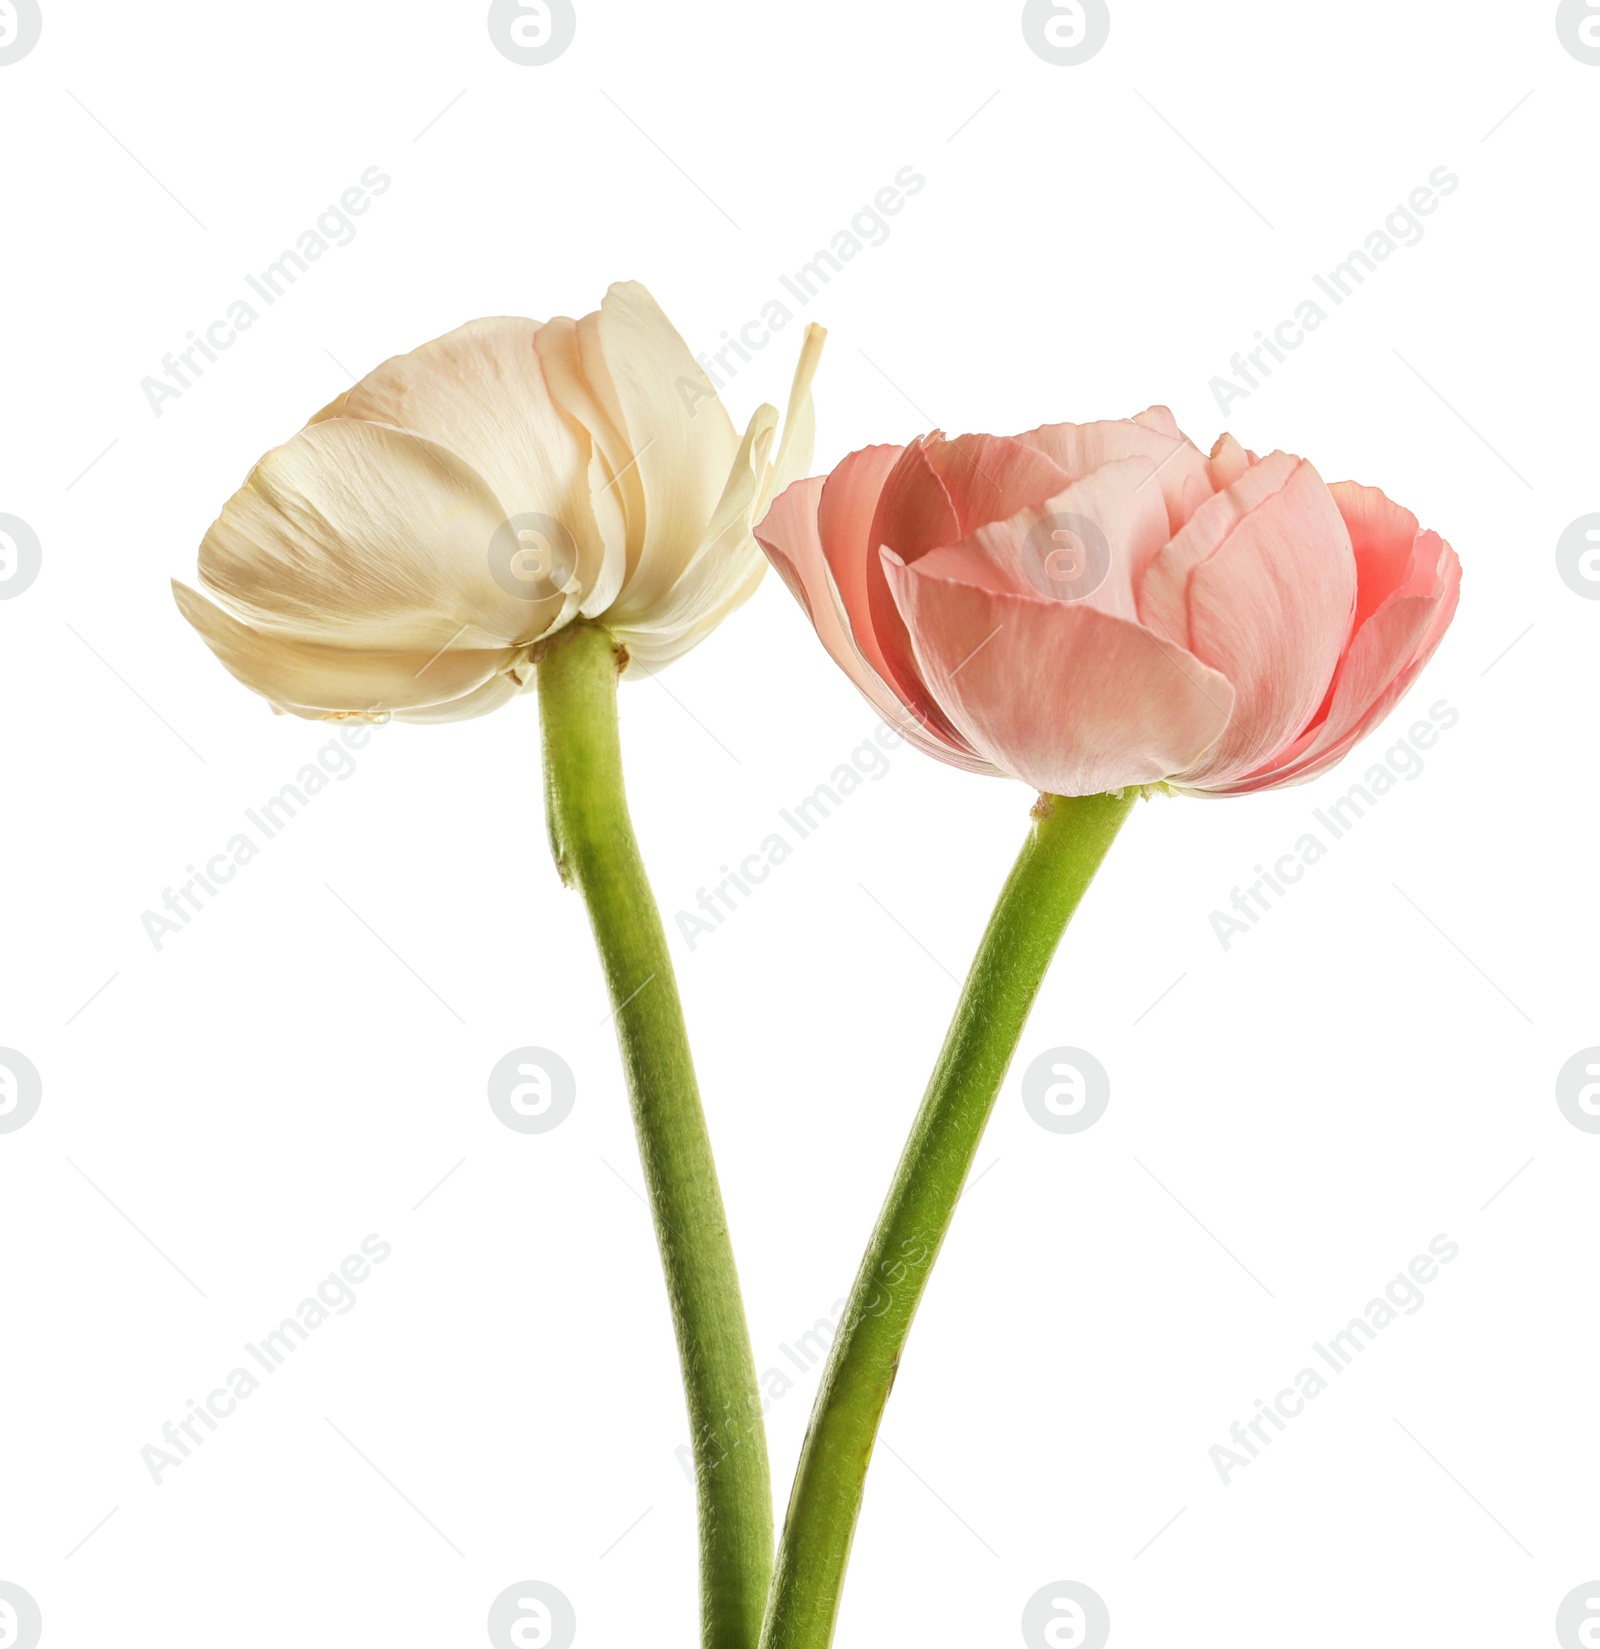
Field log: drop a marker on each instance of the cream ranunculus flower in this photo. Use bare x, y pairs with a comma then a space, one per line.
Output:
410, 548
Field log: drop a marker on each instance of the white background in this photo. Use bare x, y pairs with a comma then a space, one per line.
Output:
1363, 1070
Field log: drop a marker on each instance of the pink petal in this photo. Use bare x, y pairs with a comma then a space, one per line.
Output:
1161, 420
1109, 526
1080, 449
938, 493
794, 534
1386, 656
844, 523
914, 513
1164, 592
1261, 585
1228, 461
1384, 538
990, 477
1059, 694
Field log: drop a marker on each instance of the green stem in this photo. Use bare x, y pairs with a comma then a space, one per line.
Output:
1065, 846
592, 838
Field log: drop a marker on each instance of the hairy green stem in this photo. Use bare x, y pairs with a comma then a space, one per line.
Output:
1065, 846
592, 838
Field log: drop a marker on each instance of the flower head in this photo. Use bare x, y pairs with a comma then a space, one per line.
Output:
1092, 606
410, 548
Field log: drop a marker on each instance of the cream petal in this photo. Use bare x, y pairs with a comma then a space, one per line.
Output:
614, 539
497, 690
314, 680
652, 650
726, 557
334, 409
613, 479
727, 567
481, 393
356, 534
799, 423
681, 444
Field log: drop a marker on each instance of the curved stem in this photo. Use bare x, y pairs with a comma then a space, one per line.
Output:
592, 838
1065, 846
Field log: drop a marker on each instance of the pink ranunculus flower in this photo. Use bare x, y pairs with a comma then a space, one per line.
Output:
1092, 606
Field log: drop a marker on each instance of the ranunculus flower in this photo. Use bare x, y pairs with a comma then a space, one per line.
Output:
1092, 606
409, 549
